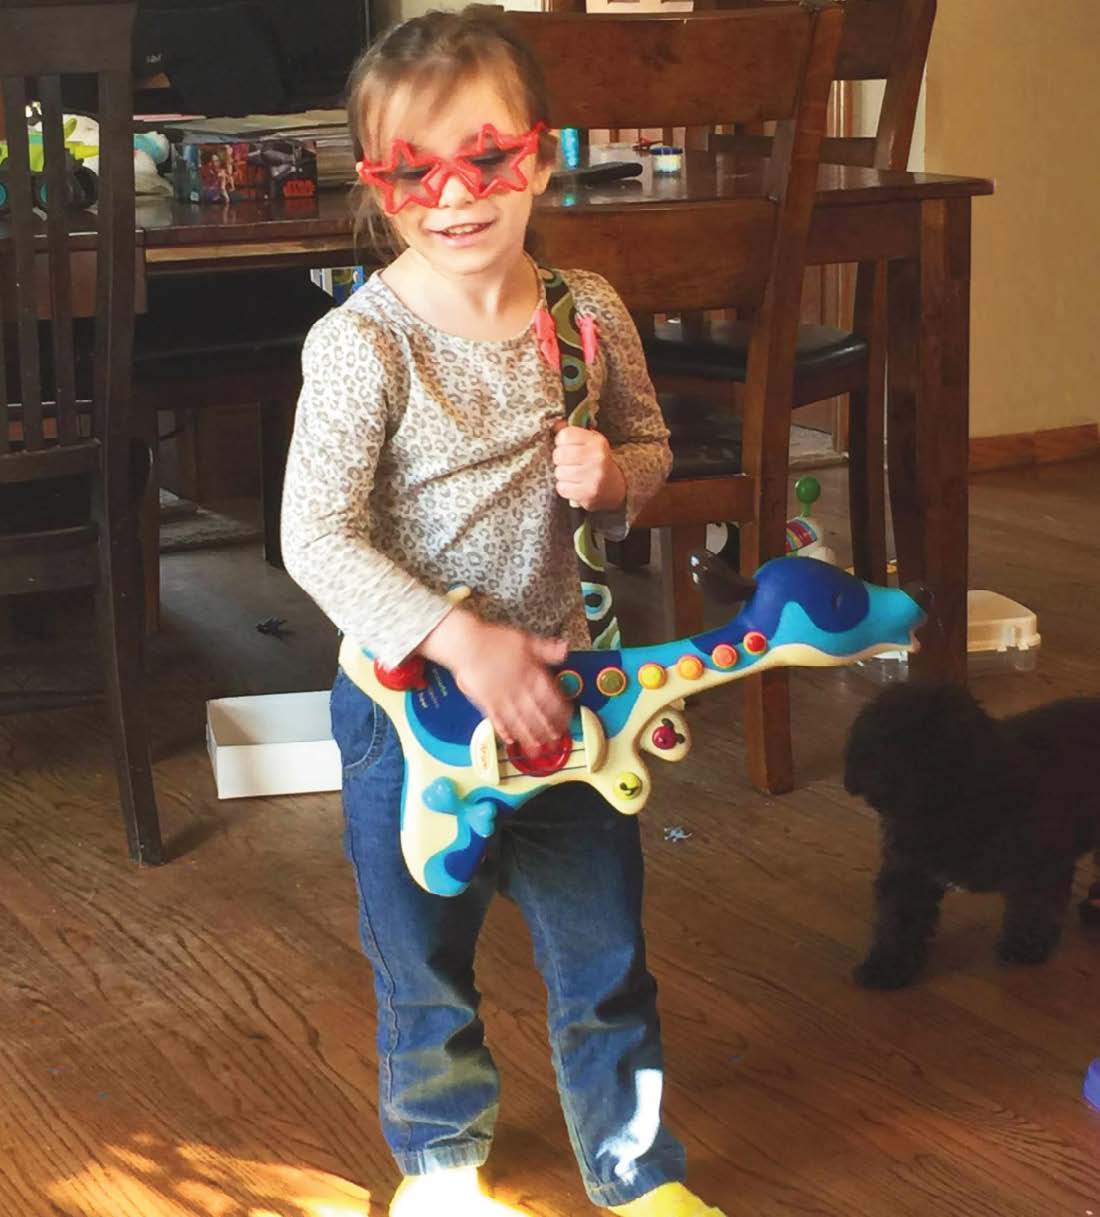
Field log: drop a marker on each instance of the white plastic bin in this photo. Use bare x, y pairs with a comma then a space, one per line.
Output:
277, 743
1001, 636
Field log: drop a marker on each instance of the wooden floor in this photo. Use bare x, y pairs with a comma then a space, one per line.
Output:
198, 1039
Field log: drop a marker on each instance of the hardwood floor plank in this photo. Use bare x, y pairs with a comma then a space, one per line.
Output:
198, 1040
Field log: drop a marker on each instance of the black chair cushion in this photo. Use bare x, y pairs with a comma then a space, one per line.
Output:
705, 436
44, 505
245, 313
723, 352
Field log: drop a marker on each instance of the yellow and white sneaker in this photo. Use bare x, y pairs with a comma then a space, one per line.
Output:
668, 1200
447, 1193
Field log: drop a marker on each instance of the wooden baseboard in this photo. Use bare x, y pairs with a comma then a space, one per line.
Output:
1034, 447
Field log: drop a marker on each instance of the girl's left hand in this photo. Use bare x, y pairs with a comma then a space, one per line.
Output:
585, 471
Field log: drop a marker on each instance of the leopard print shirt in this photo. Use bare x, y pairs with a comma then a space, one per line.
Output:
420, 460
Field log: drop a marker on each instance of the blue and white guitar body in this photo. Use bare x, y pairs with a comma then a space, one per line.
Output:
459, 779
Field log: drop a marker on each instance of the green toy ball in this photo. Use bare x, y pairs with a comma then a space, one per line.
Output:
807, 490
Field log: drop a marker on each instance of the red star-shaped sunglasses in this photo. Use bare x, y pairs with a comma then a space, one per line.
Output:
489, 166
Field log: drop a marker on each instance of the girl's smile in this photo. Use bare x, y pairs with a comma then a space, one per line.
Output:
461, 235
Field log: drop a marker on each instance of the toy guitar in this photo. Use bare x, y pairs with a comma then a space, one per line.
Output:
459, 778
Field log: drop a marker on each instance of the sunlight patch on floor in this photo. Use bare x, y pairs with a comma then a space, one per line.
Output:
194, 1180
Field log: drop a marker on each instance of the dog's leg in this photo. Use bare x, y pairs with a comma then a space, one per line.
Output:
1035, 910
907, 908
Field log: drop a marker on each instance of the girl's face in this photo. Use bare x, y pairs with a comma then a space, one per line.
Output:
463, 234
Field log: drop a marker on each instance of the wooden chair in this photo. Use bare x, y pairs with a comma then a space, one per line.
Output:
773, 63
56, 445
203, 345
883, 40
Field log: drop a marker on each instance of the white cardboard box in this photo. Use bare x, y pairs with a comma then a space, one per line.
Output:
277, 743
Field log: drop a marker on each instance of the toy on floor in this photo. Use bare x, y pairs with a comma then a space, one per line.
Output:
805, 535
972, 802
459, 778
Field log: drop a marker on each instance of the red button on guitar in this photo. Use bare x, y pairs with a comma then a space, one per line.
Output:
755, 642
541, 764
407, 675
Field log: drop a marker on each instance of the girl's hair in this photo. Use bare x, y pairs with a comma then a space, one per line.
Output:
433, 54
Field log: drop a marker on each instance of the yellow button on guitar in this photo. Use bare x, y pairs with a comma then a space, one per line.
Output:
690, 667
652, 675
628, 785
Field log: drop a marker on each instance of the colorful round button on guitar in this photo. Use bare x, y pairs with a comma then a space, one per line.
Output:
408, 674
628, 785
755, 643
724, 655
652, 675
611, 682
570, 683
666, 736
546, 761
690, 667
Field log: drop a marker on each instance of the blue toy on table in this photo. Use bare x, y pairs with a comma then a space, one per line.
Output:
459, 778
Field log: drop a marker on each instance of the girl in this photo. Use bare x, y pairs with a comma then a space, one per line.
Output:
429, 449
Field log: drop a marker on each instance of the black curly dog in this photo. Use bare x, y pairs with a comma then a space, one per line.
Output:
973, 802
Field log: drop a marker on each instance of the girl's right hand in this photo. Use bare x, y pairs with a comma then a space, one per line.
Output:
503, 671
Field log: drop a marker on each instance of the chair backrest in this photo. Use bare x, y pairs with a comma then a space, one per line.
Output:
68, 264
605, 70
769, 63
883, 40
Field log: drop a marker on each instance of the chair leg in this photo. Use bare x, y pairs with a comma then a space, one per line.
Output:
768, 731
683, 600
121, 636
767, 697
150, 521
276, 426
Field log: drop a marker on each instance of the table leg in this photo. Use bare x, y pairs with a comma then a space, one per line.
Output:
929, 427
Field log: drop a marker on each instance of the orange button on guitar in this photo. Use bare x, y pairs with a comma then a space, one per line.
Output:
690, 667
724, 655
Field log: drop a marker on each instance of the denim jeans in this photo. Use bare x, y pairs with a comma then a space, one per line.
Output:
574, 868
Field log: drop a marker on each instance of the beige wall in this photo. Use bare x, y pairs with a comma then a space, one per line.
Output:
1014, 94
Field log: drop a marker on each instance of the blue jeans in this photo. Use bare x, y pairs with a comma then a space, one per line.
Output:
574, 868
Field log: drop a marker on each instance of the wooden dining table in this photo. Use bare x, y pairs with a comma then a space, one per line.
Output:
918, 223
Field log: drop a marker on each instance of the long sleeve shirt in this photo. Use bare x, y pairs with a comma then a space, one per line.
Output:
421, 460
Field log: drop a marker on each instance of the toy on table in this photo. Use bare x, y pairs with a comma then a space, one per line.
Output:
459, 778
82, 183
81, 138
805, 535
